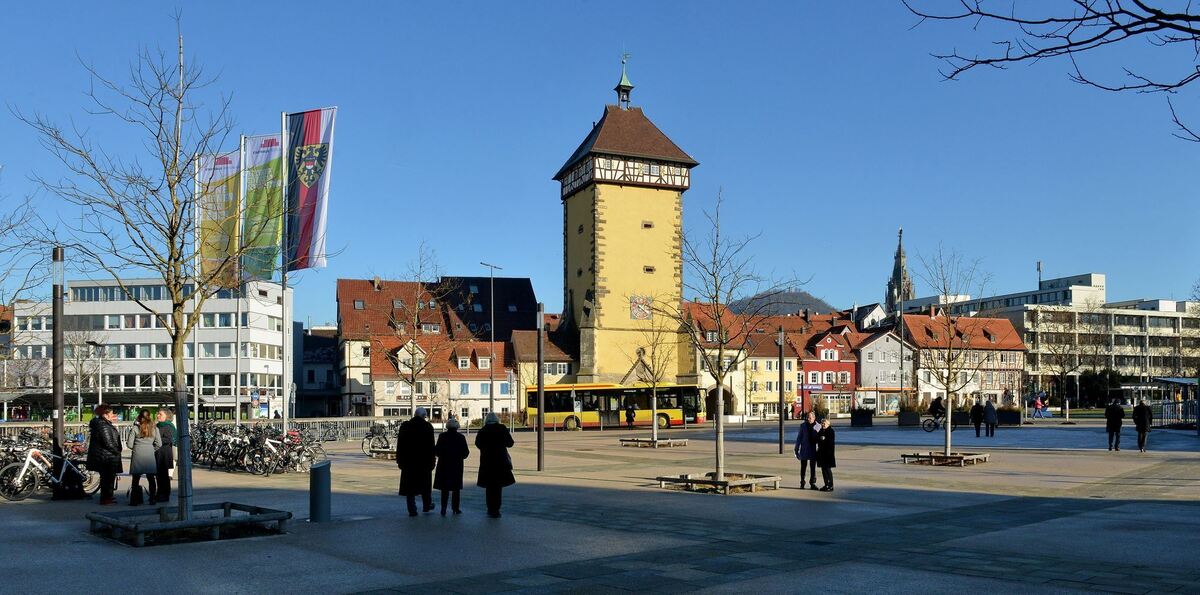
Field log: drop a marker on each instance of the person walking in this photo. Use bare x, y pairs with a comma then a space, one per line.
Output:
630, 413
146, 442
1037, 407
415, 458
1142, 417
495, 466
806, 450
1114, 415
451, 451
977, 416
104, 452
164, 457
990, 419
826, 459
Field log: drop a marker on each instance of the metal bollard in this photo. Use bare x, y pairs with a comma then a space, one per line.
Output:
318, 493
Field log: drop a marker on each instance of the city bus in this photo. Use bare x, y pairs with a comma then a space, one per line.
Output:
572, 406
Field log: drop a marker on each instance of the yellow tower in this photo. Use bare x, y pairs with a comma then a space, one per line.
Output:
622, 193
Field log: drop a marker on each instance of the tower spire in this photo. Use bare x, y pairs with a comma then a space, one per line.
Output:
900, 286
624, 87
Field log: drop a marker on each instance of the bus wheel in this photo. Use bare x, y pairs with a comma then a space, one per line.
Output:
664, 422
571, 423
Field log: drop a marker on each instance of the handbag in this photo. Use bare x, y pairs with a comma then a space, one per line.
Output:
135, 495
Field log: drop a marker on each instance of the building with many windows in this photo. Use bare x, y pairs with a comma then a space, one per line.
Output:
117, 351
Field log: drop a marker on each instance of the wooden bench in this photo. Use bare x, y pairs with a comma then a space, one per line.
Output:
689, 481
960, 459
383, 453
650, 443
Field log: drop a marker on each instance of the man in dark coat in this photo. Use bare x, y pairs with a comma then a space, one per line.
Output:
104, 451
415, 457
630, 414
451, 451
1114, 415
806, 450
826, 459
937, 409
164, 457
977, 416
1142, 418
990, 419
495, 466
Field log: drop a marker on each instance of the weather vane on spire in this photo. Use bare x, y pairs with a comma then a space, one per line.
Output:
624, 86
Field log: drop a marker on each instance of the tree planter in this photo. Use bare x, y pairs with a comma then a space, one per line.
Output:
908, 418
1008, 418
862, 419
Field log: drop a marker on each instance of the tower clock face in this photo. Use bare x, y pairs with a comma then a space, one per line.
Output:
639, 307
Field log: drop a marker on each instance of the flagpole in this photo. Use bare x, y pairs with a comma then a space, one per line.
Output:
237, 275
285, 377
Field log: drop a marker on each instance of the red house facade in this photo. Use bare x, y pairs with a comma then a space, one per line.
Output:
828, 371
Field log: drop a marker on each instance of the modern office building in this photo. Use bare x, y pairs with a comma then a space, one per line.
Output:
117, 349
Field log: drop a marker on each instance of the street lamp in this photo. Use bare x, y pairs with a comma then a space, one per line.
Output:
492, 342
781, 340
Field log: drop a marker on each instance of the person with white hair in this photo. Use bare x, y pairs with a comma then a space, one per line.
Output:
415, 458
451, 451
495, 466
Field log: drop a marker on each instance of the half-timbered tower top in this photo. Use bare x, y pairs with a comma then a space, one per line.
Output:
625, 147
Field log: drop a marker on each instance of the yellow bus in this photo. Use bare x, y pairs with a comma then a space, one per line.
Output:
573, 406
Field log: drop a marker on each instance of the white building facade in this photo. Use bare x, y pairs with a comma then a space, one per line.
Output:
117, 351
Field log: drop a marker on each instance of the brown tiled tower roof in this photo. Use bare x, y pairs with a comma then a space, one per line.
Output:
627, 132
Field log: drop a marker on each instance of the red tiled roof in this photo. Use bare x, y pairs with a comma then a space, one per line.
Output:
445, 354
524, 344
379, 312
629, 133
926, 332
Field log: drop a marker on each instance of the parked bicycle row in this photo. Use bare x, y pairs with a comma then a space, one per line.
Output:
27, 463
259, 449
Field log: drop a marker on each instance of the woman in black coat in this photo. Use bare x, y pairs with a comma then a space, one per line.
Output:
825, 454
451, 451
104, 451
495, 466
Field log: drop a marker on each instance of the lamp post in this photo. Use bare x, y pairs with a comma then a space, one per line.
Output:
492, 328
780, 341
58, 272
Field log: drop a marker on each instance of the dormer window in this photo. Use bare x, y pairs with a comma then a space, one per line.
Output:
397, 304
710, 336
431, 329
474, 289
485, 363
464, 363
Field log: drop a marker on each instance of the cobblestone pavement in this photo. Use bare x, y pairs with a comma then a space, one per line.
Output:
1034, 521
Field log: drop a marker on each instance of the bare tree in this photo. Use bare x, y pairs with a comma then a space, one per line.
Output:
953, 363
654, 361
1057, 345
718, 270
1037, 31
83, 356
421, 320
1191, 349
137, 211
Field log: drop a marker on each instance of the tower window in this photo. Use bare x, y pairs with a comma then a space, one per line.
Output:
580, 230
654, 169
579, 273
647, 225
647, 269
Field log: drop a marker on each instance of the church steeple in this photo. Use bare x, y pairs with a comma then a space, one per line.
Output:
624, 87
900, 286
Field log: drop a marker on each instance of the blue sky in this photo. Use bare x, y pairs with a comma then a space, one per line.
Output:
826, 125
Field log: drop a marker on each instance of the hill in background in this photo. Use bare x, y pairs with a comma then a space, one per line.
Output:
788, 302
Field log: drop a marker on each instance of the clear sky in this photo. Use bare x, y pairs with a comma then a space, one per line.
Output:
826, 125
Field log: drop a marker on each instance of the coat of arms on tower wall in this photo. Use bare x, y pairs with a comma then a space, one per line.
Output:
639, 307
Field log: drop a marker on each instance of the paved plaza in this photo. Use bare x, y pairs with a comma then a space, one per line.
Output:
1049, 513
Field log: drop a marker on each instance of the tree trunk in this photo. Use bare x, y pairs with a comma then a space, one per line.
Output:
947, 422
654, 412
720, 429
183, 439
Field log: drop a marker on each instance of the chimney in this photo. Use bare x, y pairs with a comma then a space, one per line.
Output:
377, 283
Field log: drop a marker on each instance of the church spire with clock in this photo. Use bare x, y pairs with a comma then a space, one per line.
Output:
622, 196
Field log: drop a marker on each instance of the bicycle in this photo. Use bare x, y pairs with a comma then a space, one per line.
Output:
932, 423
18, 481
377, 437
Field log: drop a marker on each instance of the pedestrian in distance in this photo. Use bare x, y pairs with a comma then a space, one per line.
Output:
990, 419
495, 466
451, 451
146, 442
826, 459
1114, 416
164, 457
1037, 407
104, 452
806, 450
1142, 417
415, 458
630, 413
977, 416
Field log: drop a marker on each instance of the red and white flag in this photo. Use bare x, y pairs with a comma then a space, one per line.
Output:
309, 169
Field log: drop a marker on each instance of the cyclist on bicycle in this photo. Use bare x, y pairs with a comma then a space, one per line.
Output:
937, 409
